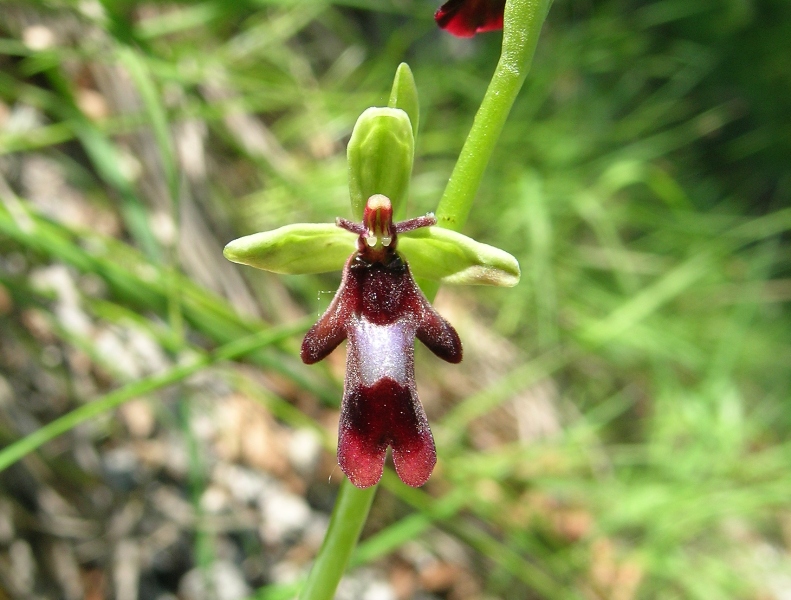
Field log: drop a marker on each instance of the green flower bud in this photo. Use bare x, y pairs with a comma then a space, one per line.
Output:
380, 155
450, 257
296, 249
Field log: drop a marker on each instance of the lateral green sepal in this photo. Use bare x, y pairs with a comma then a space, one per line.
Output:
298, 249
450, 257
432, 253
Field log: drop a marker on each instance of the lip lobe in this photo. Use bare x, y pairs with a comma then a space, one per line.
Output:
381, 415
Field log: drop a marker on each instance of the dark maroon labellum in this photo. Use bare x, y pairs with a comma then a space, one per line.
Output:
465, 18
380, 310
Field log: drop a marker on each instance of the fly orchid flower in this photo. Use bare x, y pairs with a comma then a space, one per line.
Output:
465, 18
379, 308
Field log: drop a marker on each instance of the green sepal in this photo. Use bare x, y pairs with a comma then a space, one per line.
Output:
380, 155
450, 257
403, 95
301, 248
432, 253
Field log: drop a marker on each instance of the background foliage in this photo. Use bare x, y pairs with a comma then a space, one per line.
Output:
619, 428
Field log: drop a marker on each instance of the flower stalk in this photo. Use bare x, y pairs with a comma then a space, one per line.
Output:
348, 518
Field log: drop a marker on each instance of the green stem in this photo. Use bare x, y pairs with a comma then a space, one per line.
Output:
235, 349
523, 21
348, 517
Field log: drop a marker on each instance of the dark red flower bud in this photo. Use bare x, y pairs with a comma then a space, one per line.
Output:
380, 310
465, 18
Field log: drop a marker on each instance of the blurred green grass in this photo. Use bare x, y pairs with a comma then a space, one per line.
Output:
642, 181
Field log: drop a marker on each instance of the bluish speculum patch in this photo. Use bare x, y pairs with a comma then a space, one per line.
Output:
381, 350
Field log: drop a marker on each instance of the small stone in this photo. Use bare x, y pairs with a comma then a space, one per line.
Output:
38, 37
120, 465
285, 572
92, 104
244, 485
283, 514
224, 581
379, 590
7, 528
364, 584
439, 577
139, 418
304, 451
23, 566
214, 500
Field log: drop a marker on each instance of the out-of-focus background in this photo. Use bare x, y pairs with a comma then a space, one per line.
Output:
619, 428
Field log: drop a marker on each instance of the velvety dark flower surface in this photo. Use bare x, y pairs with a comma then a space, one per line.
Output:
465, 18
380, 310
